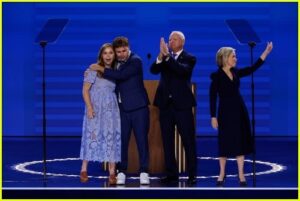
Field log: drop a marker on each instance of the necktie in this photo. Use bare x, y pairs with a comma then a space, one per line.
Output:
173, 55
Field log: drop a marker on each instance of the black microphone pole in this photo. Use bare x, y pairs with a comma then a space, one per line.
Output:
43, 45
252, 45
49, 34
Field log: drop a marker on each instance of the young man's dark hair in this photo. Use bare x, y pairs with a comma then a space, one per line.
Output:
120, 41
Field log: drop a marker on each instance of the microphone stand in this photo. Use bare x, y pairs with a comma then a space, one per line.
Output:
252, 45
43, 45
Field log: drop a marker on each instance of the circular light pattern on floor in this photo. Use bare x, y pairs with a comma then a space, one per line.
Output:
24, 167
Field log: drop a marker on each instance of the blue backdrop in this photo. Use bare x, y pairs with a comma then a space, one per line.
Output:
92, 24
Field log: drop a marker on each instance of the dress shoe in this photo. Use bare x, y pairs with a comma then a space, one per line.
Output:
83, 177
169, 179
112, 180
192, 181
243, 183
221, 183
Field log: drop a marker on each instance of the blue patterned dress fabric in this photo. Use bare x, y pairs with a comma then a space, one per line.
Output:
101, 135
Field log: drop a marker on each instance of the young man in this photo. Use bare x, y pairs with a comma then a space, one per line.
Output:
133, 102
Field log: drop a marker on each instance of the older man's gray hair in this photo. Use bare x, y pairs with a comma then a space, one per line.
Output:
179, 33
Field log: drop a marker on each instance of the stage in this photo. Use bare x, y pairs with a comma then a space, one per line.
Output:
276, 172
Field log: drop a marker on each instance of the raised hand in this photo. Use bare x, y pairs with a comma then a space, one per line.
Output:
267, 51
269, 47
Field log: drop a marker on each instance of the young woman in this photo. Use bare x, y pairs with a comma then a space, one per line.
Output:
101, 133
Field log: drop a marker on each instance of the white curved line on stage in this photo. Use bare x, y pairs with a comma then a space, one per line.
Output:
274, 167
23, 167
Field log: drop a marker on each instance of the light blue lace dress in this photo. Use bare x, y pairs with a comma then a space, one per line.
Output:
101, 135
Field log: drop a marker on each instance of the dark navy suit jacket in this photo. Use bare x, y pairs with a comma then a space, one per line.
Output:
175, 80
130, 83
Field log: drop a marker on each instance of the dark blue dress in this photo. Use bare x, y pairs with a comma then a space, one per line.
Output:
234, 132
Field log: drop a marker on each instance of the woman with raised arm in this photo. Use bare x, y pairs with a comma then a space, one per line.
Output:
231, 119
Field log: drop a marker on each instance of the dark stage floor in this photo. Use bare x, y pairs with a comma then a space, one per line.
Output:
22, 167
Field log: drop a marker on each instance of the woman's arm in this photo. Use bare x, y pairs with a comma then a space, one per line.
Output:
248, 70
87, 99
267, 51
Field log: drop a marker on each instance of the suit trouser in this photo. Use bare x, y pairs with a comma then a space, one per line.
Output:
184, 120
138, 120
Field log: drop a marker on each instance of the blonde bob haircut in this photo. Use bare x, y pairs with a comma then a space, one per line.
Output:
222, 55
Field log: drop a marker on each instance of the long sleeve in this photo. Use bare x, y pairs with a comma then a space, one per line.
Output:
213, 92
248, 70
156, 68
132, 69
182, 68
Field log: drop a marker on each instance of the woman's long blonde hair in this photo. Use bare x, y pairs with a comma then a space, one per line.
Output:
100, 59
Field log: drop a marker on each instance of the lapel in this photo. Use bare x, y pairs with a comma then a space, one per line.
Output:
227, 77
181, 56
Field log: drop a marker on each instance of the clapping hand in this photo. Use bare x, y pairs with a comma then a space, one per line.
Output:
163, 47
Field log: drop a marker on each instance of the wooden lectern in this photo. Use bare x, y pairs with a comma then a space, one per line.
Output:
156, 152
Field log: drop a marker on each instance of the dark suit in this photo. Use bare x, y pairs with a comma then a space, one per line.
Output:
133, 108
175, 101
